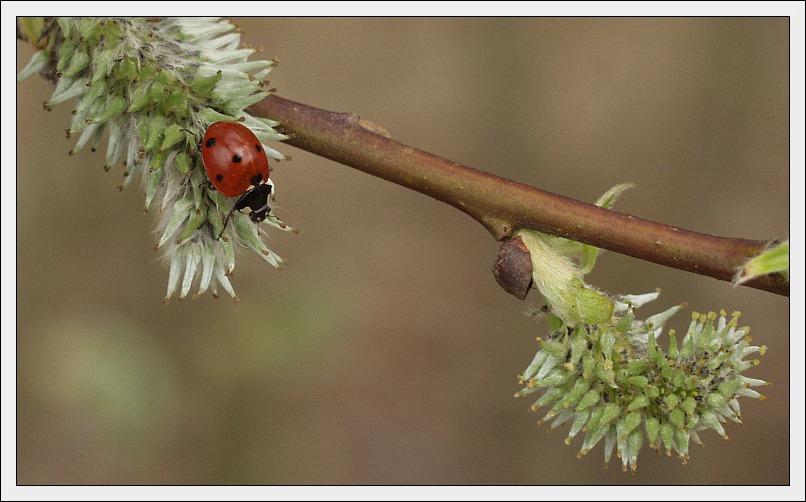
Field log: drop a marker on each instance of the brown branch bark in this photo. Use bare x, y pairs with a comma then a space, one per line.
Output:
503, 206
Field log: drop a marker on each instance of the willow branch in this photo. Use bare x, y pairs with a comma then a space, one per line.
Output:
502, 205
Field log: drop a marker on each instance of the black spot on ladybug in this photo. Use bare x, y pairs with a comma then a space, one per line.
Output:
256, 179
219, 177
237, 158
209, 143
258, 148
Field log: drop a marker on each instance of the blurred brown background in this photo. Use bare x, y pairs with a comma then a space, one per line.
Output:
386, 353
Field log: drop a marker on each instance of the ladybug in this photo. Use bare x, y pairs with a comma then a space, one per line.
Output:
237, 166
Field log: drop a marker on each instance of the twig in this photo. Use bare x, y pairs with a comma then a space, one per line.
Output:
503, 206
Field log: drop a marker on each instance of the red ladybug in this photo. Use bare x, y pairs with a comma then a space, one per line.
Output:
237, 166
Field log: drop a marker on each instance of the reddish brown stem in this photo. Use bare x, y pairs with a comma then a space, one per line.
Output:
503, 206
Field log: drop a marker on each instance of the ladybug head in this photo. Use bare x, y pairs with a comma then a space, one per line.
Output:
256, 199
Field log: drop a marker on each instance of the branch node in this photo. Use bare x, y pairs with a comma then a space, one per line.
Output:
513, 268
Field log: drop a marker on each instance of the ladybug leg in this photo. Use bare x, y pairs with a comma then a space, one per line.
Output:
231, 212
256, 199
